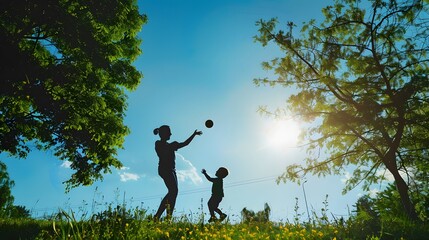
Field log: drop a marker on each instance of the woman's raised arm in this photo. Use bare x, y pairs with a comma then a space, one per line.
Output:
189, 140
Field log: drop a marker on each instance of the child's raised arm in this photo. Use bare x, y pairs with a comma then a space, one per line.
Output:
207, 176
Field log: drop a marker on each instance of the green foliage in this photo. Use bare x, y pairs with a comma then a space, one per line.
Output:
387, 204
6, 198
382, 215
366, 219
121, 223
114, 221
18, 212
249, 216
23, 228
362, 77
67, 65
139, 226
7, 209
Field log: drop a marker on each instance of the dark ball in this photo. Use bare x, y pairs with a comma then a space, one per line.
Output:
209, 123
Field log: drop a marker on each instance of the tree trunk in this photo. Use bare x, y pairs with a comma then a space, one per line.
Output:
402, 188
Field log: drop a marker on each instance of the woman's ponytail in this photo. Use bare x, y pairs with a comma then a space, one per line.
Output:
162, 131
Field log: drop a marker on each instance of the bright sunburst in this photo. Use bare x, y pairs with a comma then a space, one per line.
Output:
282, 134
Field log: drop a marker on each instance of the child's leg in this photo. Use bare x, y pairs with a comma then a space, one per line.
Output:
221, 214
216, 201
218, 211
212, 206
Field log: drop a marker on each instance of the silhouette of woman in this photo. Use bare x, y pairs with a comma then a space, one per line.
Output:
167, 166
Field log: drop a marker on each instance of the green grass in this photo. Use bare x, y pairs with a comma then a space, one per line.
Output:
118, 223
145, 229
23, 228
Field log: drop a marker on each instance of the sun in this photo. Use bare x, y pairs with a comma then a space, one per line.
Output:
282, 134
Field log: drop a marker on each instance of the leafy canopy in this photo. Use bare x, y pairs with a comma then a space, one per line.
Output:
66, 67
362, 80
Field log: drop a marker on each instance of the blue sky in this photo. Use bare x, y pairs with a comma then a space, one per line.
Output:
198, 61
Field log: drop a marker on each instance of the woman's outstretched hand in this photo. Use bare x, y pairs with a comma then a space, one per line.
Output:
185, 143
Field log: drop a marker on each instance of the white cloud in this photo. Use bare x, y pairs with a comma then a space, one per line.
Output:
126, 176
381, 173
389, 176
346, 177
373, 192
66, 164
386, 175
187, 171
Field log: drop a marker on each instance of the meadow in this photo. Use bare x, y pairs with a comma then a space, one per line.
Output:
120, 223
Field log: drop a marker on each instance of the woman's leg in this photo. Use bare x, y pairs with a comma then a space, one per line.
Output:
169, 201
172, 193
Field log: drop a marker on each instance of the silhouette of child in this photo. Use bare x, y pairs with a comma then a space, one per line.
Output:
217, 193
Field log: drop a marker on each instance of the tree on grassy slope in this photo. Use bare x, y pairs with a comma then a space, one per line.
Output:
66, 66
362, 80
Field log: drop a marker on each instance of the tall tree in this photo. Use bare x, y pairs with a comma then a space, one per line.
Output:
66, 66
362, 80
6, 198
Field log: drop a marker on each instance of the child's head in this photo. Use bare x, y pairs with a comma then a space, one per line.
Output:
222, 172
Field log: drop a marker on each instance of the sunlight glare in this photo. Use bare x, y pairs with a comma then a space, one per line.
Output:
282, 134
